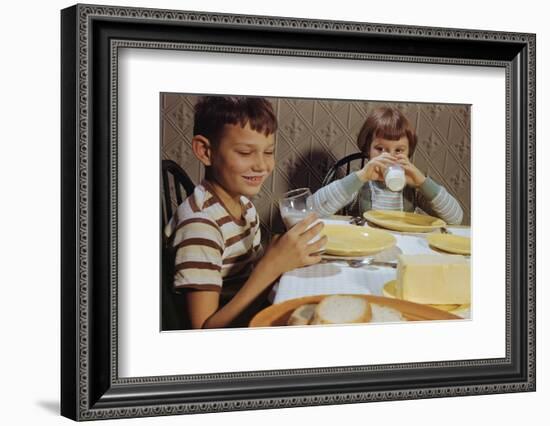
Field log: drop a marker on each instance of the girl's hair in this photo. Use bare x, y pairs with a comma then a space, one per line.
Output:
386, 123
212, 113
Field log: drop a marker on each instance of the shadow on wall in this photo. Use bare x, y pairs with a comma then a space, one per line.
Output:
304, 173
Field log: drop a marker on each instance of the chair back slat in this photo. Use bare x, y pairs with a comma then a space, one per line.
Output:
175, 183
346, 163
179, 197
182, 186
167, 203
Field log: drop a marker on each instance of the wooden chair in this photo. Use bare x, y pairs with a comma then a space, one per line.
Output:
176, 186
175, 183
343, 167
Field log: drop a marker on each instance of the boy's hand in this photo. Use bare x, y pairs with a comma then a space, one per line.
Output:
292, 249
376, 167
414, 176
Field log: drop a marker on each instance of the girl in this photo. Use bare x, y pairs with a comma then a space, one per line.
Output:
387, 138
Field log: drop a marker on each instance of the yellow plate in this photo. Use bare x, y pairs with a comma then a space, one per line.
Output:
450, 243
403, 221
389, 291
351, 240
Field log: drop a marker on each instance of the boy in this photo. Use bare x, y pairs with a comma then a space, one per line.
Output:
216, 230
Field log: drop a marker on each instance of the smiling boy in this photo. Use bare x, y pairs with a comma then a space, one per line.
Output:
216, 230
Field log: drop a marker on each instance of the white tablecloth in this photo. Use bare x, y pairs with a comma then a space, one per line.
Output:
339, 278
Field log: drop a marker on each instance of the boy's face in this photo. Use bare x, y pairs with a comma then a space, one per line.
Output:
243, 159
380, 146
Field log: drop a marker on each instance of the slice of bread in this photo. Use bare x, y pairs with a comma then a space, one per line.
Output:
342, 310
302, 315
385, 314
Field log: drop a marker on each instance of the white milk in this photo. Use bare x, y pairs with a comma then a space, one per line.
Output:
395, 178
292, 217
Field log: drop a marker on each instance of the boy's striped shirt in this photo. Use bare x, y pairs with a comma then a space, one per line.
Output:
209, 243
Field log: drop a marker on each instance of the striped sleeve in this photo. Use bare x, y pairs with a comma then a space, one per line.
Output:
258, 249
198, 246
333, 197
257, 233
437, 200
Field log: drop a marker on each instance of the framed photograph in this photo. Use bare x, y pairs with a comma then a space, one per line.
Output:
185, 286
313, 144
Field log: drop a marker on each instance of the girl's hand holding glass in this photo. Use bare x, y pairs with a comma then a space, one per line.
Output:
414, 177
376, 167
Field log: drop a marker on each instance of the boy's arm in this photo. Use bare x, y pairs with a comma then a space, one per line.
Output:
435, 199
201, 304
292, 250
333, 197
204, 312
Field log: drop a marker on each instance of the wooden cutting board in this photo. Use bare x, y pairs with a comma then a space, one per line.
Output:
277, 315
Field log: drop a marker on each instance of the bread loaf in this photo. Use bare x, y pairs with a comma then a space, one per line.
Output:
302, 315
385, 314
342, 310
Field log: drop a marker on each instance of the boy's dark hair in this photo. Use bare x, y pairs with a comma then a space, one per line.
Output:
386, 123
212, 113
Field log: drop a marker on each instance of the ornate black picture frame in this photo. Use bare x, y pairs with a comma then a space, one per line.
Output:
91, 386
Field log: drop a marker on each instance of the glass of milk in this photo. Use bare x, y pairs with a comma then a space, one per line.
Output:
394, 177
294, 206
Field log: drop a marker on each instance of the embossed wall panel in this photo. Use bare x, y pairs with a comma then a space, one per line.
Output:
313, 134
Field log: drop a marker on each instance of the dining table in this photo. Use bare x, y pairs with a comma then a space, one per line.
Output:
341, 275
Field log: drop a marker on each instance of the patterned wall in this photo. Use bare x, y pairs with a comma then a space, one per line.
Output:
313, 134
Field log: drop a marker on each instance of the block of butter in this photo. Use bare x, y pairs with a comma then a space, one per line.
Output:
433, 279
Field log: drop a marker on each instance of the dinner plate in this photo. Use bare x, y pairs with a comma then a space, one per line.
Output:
450, 243
390, 255
403, 221
389, 291
343, 258
354, 241
278, 314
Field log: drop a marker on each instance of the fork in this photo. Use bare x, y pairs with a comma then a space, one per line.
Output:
357, 220
359, 263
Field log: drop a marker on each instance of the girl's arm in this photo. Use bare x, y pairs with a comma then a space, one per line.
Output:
333, 197
434, 199
336, 195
